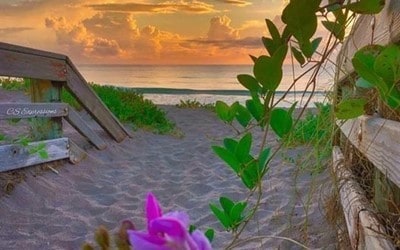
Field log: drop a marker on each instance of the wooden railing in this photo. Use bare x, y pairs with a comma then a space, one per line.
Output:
376, 138
49, 73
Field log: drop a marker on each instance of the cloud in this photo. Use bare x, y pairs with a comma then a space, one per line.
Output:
166, 7
76, 40
220, 29
13, 30
240, 3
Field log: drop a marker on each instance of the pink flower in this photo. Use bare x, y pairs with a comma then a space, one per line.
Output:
167, 232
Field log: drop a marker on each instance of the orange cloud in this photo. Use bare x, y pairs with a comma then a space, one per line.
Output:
220, 29
13, 30
240, 3
166, 7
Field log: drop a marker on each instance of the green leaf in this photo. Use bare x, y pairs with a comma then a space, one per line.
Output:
250, 174
270, 45
243, 148
237, 211
256, 109
230, 144
226, 204
350, 108
224, 112
387, 64
221, 216
298, 55
301, 19
253, 58
243, 116
273, 31
363, 63
228, 157
362, 83
281, 121
192, 228
366, 6
263, 158
307, 48
338, 30
249, 82
292, 108
209, 233
267, 72
315, 43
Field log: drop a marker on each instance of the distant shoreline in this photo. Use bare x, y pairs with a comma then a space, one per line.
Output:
230, 92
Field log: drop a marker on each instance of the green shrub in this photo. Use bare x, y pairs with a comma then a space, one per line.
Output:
194, 104
14, 84
129, 106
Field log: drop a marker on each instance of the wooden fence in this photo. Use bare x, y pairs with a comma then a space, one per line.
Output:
49, 74
376, 138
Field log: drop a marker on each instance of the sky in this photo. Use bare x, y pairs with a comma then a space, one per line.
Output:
141, 31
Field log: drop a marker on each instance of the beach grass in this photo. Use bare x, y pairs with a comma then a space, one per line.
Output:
195, 104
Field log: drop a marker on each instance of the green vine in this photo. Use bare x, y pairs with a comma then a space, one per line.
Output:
301, 19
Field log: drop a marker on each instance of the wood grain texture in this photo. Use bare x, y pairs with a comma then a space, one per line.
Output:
16, 156
382, 29
30, 110
378, 139
364, 229
20, 61
76, 154
78, 86
76, 121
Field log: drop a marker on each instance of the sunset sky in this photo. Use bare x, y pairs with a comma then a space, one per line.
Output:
140, 31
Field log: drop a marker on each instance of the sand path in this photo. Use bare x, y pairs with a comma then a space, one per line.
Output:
50, 211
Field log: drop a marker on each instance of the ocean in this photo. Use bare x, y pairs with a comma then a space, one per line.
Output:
205, 83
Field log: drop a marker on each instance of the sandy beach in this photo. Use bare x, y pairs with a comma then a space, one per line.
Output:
61, 211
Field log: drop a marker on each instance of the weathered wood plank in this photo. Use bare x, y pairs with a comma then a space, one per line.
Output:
30, 110
16, 156
76, 154
383, 29
76, 121
364, 229
78, 86
25, 62
378, 139
46, 91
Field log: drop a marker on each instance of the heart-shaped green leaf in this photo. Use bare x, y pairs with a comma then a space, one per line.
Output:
221, 216
237, 212
301, 19
228, 157
230, 144
226, 204
298, 56
281, 121
268, 72
350, 108
243, 148
263, 159
337, 29
366, 6
249, 82
243, 116
387, 64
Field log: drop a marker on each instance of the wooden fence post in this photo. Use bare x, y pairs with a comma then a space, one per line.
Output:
46, 91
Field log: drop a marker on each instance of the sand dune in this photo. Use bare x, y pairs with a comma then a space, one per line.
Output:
61, 211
